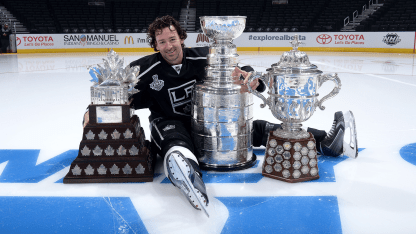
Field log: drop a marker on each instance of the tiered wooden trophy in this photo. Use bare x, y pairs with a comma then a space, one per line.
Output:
113, 147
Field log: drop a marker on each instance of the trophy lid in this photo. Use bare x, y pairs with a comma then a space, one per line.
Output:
113, 83
113, 74
295, 60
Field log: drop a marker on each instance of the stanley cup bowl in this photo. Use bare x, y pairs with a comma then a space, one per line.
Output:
223, 27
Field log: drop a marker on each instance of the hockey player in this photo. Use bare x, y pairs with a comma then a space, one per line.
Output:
165, 85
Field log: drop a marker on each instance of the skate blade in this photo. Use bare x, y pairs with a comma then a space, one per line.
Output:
181, 173
350, 146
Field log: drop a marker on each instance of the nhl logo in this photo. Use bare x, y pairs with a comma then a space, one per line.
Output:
391, 39
156, 84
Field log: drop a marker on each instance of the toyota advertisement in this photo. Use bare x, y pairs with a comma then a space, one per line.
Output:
79, 41
312, 40
388, 40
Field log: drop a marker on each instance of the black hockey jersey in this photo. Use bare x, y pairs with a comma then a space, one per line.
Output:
165, 92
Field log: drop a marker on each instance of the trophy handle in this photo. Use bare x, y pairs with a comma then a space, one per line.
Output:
324, 78
252, 77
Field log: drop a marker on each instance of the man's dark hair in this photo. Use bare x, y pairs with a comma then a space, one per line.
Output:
161, 23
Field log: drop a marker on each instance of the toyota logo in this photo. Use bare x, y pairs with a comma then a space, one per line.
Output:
18, 41
324, 39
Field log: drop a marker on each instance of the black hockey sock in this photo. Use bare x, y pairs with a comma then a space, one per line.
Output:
169, 144
261, 131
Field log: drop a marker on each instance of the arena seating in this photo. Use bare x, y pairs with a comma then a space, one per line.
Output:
136, 16
298, 15
76, 16
397, 15
35, 15
333, 15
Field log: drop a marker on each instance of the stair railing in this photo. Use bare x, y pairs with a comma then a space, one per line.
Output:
4, 19
1, 18
187, 14
346, 21
354, 15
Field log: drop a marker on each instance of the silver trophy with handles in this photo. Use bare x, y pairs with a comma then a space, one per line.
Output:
293, 85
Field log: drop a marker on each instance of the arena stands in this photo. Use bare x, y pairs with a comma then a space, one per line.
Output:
77, 16
35, 15
331, 18
71, 17
296, 16
398, 15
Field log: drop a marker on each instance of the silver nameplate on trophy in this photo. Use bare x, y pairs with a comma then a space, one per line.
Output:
109, 114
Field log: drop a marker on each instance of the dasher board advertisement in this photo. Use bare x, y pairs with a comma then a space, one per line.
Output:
79, 41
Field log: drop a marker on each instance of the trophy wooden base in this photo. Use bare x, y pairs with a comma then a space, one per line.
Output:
112, 153
290, 160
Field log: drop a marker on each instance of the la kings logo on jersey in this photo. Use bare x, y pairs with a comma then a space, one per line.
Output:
180, 98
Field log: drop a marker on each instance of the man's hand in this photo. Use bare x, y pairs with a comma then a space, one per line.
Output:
130, 101
86, 118
241, 77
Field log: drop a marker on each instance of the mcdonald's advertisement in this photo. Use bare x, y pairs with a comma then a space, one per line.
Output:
79, 41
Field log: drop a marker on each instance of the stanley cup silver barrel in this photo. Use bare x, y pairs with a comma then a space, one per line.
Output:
222, 115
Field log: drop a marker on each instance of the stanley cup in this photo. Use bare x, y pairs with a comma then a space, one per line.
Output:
222, 116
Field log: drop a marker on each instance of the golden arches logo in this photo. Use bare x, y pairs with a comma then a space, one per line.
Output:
202, 38
127, 40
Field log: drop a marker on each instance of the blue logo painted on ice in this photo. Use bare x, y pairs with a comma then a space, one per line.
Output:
408, 153
247, 214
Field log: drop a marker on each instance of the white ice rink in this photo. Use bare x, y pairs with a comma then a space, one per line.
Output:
43, 98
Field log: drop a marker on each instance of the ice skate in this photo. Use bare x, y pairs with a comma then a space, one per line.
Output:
183, 173
337, 142
350, 147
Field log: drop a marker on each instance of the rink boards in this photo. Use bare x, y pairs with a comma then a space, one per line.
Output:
385, 42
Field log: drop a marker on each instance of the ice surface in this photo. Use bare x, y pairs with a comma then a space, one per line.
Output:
43, 98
